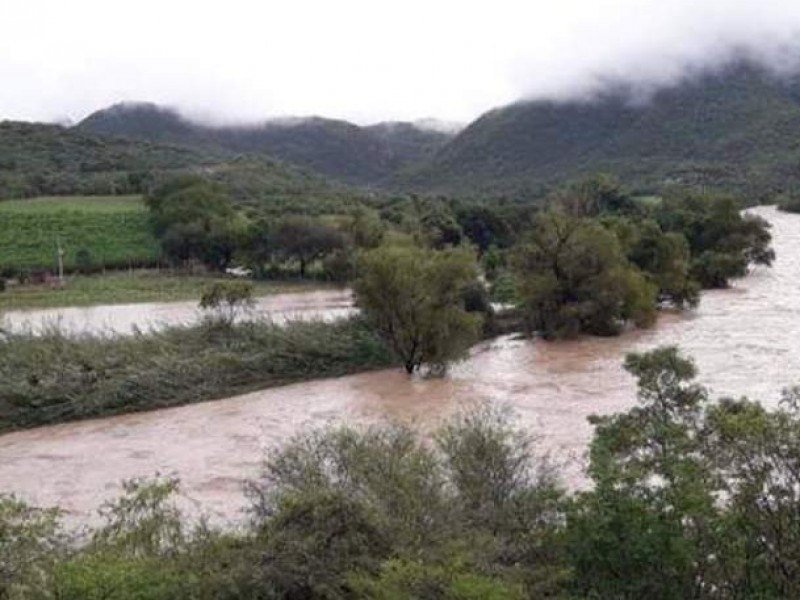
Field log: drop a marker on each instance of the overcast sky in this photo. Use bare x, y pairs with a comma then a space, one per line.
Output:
361, 60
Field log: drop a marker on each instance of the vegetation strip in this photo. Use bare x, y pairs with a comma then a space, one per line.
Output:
54, 378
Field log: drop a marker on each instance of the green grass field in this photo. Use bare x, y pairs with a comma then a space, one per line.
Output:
113, 229
123, 287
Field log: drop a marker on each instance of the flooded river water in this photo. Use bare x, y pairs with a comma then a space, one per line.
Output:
123, 319
746, 341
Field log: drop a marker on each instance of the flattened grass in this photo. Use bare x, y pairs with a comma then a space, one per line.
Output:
53, 378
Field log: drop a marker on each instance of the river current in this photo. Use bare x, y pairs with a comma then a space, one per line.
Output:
745, 340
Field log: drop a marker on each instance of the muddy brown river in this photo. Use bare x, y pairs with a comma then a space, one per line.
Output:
746, 341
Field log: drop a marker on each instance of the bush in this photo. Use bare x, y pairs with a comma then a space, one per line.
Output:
227, 301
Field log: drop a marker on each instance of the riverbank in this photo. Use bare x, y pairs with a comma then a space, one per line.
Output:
52, 378
128, 287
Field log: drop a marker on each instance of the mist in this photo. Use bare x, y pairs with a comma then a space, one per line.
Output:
243, 61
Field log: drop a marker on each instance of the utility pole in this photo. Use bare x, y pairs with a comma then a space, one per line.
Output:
60, 256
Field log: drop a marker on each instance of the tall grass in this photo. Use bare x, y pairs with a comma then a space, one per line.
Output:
53, 378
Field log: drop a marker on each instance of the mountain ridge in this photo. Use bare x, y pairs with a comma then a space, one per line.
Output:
741, 117
362, 155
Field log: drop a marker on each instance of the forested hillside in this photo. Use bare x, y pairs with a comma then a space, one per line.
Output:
50, 160
334, 148
738, 128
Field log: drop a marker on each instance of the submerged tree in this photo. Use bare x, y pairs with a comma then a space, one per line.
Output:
724, 242
414, 298
227, 300
574, 278
664, 257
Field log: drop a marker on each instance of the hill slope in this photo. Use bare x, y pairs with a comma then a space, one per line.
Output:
739, 128
50, 160
337, 149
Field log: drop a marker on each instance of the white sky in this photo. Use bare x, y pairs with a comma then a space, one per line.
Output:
361, 60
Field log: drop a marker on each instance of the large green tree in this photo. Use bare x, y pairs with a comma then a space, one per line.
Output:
574, 278
647, 528
724, 242
414, 298
195, 220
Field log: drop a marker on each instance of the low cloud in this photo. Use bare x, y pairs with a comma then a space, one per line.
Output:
249, 60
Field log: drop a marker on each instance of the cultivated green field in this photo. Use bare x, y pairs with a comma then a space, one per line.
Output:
113, 229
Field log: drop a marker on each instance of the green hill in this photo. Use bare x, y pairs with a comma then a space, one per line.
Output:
38, 159
50, 160
737, 128
334, 148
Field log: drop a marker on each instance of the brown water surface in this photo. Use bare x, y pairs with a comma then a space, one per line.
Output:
124, 319
746, 341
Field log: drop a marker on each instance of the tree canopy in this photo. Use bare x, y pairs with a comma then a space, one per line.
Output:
195, 220
574, 278
414, 298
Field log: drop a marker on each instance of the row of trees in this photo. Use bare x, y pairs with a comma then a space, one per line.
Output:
598, 258
195, 220
594, 260
690, 498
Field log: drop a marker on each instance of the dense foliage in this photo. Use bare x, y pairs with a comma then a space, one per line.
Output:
52, 377
574, 278
336, 149
195, 220
733, 128
598, 258
414, 298
690, 499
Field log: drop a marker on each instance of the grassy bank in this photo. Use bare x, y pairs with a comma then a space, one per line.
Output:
112, 230
125, 287
52, 378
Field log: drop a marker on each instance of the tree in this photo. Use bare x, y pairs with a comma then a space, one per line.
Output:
306, 240
227, 300
439, 227
366, 229
573, 278
30, 544
723, 241
758, 453
664, 257
600, 194
484, 227
647, 528
195, 220
414, 299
